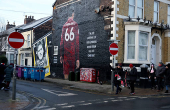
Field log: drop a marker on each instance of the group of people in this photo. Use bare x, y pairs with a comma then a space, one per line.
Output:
162, 71
119, 77
6, 72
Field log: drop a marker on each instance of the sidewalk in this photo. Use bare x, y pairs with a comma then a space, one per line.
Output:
6, 102
105, 88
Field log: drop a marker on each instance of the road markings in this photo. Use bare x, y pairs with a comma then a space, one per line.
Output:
62, 104
86, 104
59, 93
106, 101
109, 98
42, 107
70, 106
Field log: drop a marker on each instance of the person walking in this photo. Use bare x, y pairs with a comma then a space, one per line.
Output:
2, 73
133, 76
152, 76
117, 78
9, 74
159, 75
167, 77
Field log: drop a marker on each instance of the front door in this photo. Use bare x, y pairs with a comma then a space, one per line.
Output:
26, 62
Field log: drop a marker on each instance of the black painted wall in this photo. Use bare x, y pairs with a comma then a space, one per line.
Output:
90, 25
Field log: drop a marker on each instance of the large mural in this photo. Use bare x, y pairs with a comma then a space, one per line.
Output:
41, 58
80, 38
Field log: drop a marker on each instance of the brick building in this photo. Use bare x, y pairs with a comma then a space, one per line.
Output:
141, 26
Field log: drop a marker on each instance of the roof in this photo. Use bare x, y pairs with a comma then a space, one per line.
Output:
35, 23
48, 34
9, 31
54, 3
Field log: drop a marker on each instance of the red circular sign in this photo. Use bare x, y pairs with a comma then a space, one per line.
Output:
16, 40
113, 49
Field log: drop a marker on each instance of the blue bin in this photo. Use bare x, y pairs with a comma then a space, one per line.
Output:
37, 72
27, 72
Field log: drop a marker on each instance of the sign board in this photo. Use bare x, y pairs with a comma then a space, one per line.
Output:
16, 40
113, 48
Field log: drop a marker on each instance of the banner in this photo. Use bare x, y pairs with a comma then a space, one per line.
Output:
41, 57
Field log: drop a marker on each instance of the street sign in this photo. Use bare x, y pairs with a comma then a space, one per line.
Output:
113, 48
16, 40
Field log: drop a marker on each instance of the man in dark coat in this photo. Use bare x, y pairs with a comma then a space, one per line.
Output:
2, 73
159, 74
167, 77
133, 76
9, 74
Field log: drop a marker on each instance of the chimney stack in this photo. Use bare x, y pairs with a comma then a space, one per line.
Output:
28, 19
8, 26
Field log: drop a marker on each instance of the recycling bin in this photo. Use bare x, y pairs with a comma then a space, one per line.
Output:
77, 76
37, 73
27, 72
71, 76
16, 73
21, 72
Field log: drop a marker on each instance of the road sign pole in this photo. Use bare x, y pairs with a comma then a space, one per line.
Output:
15, 40
113, 50
14, 78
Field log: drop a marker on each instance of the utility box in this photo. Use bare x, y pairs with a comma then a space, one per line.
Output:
88, 74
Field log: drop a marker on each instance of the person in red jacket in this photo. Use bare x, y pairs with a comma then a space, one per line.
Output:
69, 46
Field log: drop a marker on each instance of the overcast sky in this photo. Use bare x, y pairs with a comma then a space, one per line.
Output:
9, 8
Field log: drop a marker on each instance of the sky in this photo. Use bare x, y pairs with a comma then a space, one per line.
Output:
15, 10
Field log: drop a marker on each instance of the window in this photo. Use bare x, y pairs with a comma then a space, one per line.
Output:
28, 40
136, 8
11, 58
156, 11
169, 14
143, 45
22, 59
55, 50
131, 44
132, 8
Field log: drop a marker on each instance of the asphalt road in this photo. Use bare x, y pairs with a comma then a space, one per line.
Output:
48, 96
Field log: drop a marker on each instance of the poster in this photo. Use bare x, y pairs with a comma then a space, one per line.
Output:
41, 58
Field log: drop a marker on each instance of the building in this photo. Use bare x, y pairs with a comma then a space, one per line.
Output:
139, 27
80, 36
5, 48
143, 28
31, 31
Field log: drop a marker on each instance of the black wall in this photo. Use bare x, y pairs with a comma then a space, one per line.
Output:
91, 25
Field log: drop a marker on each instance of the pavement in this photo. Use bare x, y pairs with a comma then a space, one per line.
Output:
102, 89
6, 102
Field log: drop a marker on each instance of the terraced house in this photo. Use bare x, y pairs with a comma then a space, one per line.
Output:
84, 29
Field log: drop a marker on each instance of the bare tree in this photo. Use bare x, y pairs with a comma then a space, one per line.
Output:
2, 24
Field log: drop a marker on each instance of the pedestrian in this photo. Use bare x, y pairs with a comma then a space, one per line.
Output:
133, 76
167, 77
159, 75
9, 74
2, 73
152, 75
118, 77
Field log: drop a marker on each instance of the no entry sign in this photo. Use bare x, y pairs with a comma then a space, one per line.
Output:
113, 48
16, 40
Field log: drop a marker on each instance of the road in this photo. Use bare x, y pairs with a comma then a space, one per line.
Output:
49, 96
